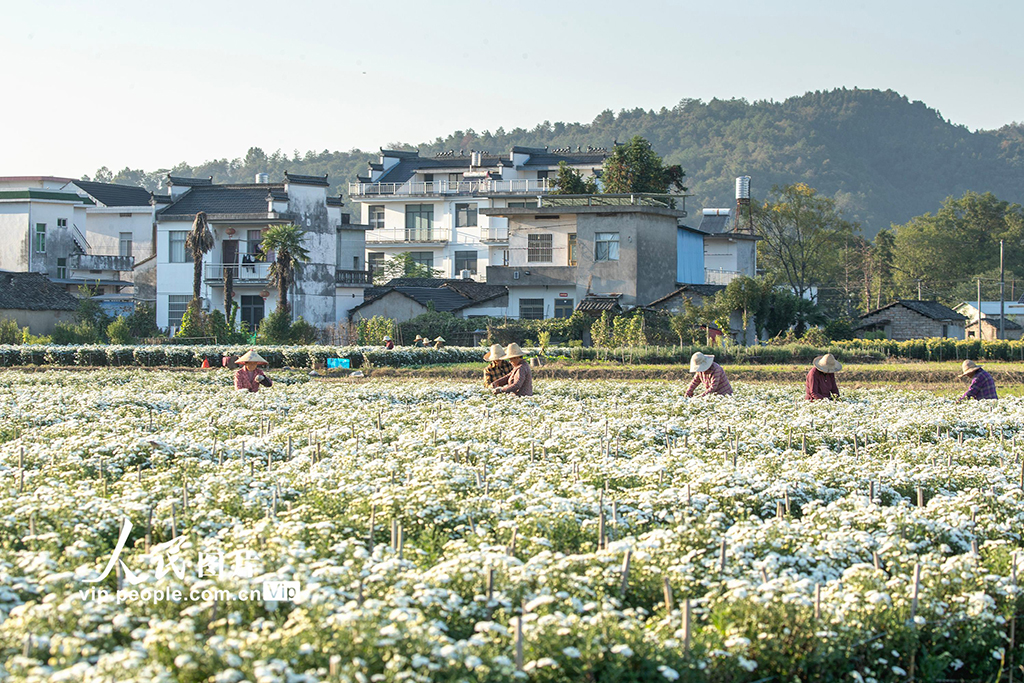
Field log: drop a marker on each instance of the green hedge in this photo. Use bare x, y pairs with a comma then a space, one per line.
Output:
936, 349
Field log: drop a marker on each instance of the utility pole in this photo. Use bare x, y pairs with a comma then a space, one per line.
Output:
979, 308
1002, 284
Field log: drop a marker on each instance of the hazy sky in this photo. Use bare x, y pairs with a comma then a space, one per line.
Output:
149, 84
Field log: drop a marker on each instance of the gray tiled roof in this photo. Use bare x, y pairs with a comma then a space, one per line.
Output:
471, 289
33, 292
993, 320
442, 298
307, 179
929, 309
115, 195
553, 159
407, 168
188, 182
222, 199
698, 289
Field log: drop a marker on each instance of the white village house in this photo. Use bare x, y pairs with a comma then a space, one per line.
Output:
325, 288
432, 207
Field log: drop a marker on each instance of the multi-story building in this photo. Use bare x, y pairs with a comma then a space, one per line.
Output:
432, 208
627, 250
730, 250
45, 228
325, 287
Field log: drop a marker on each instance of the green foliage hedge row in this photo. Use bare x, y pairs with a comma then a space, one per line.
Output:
936, 349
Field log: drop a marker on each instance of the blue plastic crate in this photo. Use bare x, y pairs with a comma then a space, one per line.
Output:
338, 363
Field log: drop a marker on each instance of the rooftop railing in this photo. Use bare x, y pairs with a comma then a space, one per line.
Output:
451, 187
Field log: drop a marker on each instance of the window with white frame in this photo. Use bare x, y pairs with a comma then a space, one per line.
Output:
531, 309
465, 260
62, 268
375, 261
40, 238
424, 258
125, 244
525, 204
177, 253
465, 215
176, 305
376, 216
538, 248
419, 222
62, 222
572, 249
606, 246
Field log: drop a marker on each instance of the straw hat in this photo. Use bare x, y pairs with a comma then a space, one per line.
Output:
700, 363
828, 363
969, 367
495, 353
251, 356
513, 351
387, 338
439, 338
418, 338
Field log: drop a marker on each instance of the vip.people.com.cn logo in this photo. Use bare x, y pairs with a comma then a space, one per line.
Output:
171, 559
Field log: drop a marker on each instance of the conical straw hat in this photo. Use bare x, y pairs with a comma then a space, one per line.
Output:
495, 353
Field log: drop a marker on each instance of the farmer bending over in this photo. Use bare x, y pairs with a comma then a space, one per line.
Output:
250, 376
709, 375
821, 379
518, 382
497, 368
982, 384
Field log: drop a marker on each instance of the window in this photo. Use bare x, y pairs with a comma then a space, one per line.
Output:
253, 239
355, 263
465, 260
527, 204
62, 268
176, 305
572, 249
454, 178
541, 175
531, 309
376, 217
424, 258
177, 252
252, 311
62, 222
125, 244
606, 246
538, 248
465, 215
419, 222
40, 238
563, 308
375, 260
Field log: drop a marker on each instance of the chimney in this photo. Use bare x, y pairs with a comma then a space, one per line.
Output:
743, 205
262, 178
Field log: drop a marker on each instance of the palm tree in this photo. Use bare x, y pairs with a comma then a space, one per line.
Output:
286, 242
199, 241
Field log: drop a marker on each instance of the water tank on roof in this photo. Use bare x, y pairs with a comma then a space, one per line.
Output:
262, 178
743, 187
466, 274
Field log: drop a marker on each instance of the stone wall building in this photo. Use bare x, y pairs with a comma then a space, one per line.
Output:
32, 300
990, 328
905, 319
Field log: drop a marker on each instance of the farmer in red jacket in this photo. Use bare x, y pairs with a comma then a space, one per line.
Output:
821, 379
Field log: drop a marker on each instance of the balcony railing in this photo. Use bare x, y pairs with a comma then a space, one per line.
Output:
720, 277
408, 235
450, 187
494, 234
353, 277
243, 273
101, 262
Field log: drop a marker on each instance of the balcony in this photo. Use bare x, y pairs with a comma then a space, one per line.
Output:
720, 277
353, 277
408, 235
494, 235
255, 273
442, 188
101, 262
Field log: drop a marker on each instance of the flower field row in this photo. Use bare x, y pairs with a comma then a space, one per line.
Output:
600, 531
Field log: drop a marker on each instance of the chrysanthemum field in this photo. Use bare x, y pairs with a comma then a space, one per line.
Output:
428, 531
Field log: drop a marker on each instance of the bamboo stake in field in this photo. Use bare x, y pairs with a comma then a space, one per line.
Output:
817, 601
721, 557
600, 522
490, 584
779, 510
519, 641
920, 497
373, 523
625, 572
686, 624
174, 521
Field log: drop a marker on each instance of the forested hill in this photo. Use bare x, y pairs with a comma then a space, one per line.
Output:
883, 157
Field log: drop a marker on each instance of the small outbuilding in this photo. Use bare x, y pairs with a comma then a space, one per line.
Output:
990, 329
33, 301
905, 319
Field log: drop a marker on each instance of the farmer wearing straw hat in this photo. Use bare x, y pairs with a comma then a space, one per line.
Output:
250, 376
388, 343
497, 367
418, 341
518, 382
438, 343
982, 385
708, 374
821, 378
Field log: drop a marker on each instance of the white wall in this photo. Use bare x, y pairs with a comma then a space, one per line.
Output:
14, 244
548, 294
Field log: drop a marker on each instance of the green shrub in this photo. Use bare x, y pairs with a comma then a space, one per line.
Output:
275, 328
9, 331
302, 332
120, 355
119, 331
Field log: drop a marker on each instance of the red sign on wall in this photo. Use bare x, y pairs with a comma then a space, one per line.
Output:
563, 294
